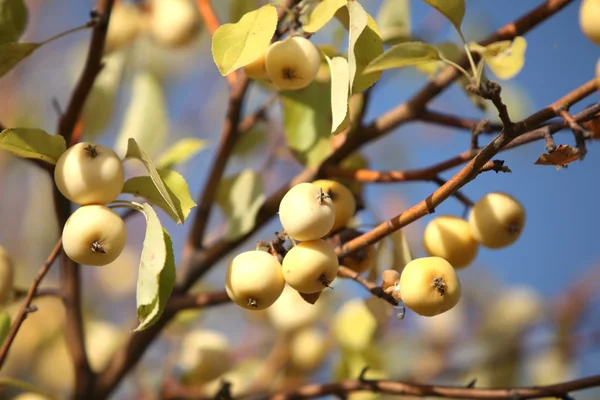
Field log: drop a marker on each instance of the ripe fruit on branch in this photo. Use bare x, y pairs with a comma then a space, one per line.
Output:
204, 356
124, 25
343, 200
429, 286
589, 17
254, 280
308, 349
497, 220
88, 173
306, 212
450, 237
292, 63
257, 68
94, 235
311, 266
173, 23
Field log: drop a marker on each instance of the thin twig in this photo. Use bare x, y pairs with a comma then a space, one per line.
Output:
423, 390
581, 134
23, 311
372, 287
454, 121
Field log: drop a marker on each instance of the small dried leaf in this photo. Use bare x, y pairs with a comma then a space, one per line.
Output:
563, 155
311, 298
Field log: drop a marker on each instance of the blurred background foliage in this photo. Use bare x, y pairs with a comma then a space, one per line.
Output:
526, 314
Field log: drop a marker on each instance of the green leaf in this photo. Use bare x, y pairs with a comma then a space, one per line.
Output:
354, 325
156, 276
403, 55
307, 122
393, 20
240, 197
358, 19
237, 44
237, 8
320, 15
4, 326
25, 387
33, 143
454, 10
146, 118
505, 59
180, 152
134, 151
340, 81
177, 187
13, 53
13, 20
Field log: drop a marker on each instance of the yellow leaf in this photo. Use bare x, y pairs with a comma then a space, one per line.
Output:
454, 10
321, 14
180, 152
394, 21
404, 54
237, 44
368, 47
505, 58
340, 81
358, 18
354, 326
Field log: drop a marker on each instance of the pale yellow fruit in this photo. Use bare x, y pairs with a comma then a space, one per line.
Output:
343, 200
306, 212
174, 23
94, 235
89, 173
6, 277
290, 312
497, 220
257, 68
589, 19
450, 237
308, 349
53, 368
124, 25
101, 341
429, 286
292, 63
311, 266
254, 280
204, 356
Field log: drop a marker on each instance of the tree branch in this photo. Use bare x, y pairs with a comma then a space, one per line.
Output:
342, 388
454, 121
25, 308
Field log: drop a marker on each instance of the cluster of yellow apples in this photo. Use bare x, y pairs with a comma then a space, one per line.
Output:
170, 23
92, 176
589, 15
290, 64
308, 212
430, 286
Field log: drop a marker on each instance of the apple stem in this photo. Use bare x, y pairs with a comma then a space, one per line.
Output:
98, 247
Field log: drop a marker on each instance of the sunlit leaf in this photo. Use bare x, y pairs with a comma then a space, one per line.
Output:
307, 121
134, 151
33, 143
321, 14
358, 19
180, 152
237, 44
393, 20
240, 197
177, 188
13, 53
340, 80
156, 276
403, 55
402, 254
13, 20
505, 59
454, 10
146, 118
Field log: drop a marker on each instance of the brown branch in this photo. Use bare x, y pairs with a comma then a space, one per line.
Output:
579, 132
466, 174
372, 287
454, 121
24, 310
468, 203
209, 16
342, 388
202, 300
93, 66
